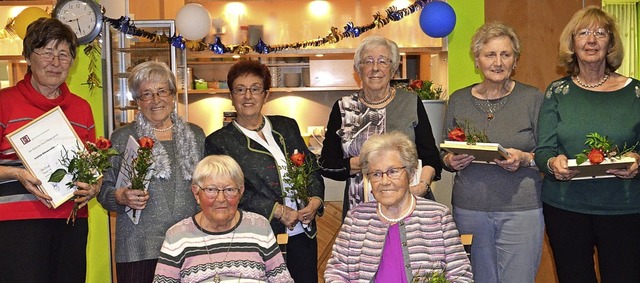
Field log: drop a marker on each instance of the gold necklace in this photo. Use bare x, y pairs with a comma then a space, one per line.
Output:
389, 95
216, 277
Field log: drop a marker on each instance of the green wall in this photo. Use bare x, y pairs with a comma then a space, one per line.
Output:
469, 17
98, 248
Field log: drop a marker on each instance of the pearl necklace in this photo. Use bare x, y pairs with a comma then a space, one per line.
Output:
164, 130
364, 98
216, 278
394, 220
606, 77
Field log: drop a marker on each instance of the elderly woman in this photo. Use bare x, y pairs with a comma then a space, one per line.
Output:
178, 146
377, 108
261, 145
581, 215
498, 203
220, 243
33, 234
400, 237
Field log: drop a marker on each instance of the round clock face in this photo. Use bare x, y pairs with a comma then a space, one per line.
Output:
83, 16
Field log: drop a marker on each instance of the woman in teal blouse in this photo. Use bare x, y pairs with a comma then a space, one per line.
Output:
604, 213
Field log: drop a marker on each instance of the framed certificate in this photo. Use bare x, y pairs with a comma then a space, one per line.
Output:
483, 152
40, 145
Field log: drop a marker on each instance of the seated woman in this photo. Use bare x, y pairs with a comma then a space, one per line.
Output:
220, 243
398, 238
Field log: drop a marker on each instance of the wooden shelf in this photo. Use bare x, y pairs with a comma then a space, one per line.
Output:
25, 2
273, 89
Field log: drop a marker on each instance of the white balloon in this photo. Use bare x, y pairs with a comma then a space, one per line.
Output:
193, 21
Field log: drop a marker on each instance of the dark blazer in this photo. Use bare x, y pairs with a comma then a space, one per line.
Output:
262, 183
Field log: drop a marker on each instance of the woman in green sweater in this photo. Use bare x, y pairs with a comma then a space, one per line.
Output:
602, 213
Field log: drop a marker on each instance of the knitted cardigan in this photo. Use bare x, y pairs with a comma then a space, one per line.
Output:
430, 243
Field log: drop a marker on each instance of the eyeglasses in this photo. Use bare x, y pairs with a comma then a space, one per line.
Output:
598, 33
228, 193
148, 95
241, 90
392, 173
48, 56
383, 62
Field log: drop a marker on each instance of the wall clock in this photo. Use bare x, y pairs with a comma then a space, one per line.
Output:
83, 16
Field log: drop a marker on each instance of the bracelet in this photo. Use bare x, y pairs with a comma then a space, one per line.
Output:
549, 166
444, 161
426, 183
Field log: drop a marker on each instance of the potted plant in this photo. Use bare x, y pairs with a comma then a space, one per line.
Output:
434, 100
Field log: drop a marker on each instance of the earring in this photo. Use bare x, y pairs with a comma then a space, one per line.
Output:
514, 67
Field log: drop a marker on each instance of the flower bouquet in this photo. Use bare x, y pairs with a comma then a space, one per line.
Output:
299, 169
86, 165
137, 167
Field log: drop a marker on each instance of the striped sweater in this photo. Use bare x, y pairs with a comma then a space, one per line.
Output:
430, 243
248, 251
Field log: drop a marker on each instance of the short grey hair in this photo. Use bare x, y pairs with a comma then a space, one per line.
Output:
215, 167
493, 30
373, 42
393, 141
152, 71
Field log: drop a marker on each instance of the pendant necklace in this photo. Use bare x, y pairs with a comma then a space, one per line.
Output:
490, 107
602, 81
394, 220
164, 130
216, 278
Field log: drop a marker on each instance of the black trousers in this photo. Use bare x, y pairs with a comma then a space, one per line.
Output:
137, 271
302, 258
575, 236
43, 250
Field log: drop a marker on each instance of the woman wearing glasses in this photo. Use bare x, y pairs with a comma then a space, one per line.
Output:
261, 145
34, 234
178, 146
602, 214
221, 243
377, 108
400, 237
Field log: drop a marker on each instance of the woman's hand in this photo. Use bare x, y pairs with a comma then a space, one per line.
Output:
308, 213
289, 218
86, 192
631, 171
558, 166
517, 158
31, 183
426, 176
458, 162
136, 199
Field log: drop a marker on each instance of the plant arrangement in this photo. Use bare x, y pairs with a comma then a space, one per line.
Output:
599, 148
138, 172
467, 133
299, 169
86, 165
426, 90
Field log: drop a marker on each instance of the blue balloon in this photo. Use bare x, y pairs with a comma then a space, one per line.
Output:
437, 19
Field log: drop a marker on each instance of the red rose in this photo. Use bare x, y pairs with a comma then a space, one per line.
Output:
103, 143
457, 134
416, 85
595, 156
146, 142
298, 158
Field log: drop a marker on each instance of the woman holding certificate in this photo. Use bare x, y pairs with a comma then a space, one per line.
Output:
37, 244
499, 203
604, 213
177, 148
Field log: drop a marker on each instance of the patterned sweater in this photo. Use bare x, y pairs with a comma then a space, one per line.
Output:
430, 243
248, 250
